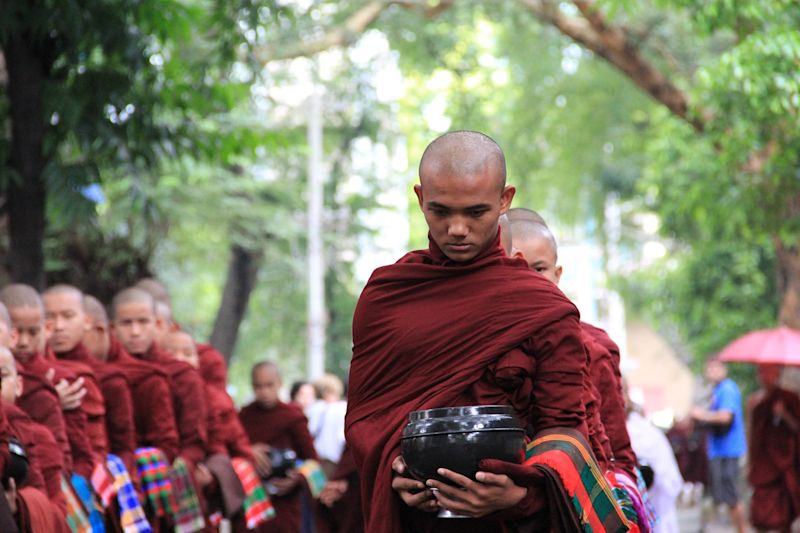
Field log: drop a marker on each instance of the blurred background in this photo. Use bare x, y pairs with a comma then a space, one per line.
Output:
258, 157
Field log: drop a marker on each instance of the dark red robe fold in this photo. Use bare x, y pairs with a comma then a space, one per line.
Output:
425, 330
152, 401
45, 462
119, 435
774, 457
607, 377
225, 432
188, 402
282, 426
212, 366
345, 515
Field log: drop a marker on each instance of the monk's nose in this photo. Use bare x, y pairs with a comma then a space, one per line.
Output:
457, 228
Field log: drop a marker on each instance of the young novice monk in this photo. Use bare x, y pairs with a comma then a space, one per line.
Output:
270, 423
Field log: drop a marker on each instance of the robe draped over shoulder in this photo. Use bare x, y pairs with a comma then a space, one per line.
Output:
426, 329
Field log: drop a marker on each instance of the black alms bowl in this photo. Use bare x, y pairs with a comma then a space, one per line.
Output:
458, 438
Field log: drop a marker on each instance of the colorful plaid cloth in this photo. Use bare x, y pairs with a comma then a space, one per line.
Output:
84, 491
131, 515
77, 520
315, 477
188, 513
257, 507
103, 484
593, 505
153, 469
631, 498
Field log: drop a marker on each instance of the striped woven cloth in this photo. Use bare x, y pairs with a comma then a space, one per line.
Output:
103, 484
188, 514
90, 504
257, 507
312, 472
631, 496
77, 520
154, 472
131, 515
575, 477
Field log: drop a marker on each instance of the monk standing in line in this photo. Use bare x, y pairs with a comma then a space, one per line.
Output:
426, 329
65, 308
135, 324
270, 423
774, 453
68, 424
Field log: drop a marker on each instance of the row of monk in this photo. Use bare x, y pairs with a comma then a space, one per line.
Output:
124, 423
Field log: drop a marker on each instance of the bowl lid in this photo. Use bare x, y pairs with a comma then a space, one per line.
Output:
461, 420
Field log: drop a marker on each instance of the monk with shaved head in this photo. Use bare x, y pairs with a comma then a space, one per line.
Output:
537, 244
136, 324
432, 326
68, 423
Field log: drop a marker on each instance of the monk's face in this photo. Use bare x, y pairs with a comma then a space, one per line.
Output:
8, 335
29, 323
182, 348
11, 385
66, 320
462, 212
769, 375
135, 326
540, 256
97, 340
266, 386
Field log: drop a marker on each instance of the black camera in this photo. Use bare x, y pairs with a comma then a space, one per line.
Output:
282, 460
17, 468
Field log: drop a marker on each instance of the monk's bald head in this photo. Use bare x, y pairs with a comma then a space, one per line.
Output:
267, 382
132, 295
5, 318
20, 295
538, 246
463, 154
8, 335
95, 309
62, 289
182, 347
520, 213
157, 290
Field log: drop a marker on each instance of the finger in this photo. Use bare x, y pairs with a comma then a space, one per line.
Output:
405, 483
488, 478
455, 477
419, 500
449, 490
50, 374
455, 505
399, 465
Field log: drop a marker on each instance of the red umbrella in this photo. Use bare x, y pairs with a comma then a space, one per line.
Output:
767, 346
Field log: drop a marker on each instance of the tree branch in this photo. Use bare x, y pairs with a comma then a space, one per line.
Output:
616, 46
349, 31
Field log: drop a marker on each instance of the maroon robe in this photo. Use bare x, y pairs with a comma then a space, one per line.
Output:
188, 403
225, 432
154, 418
607, 376
424, 331
45, 462
345, 515
774, 458
282, 426
212, 366
5, 432
119, 434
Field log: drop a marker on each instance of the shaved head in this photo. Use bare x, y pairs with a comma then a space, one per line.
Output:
524, 231
264, 365
520, 213
463, 153
132, 295
505, 234
266, 380
156, 289
20, 295
95, 309
182, 347
5, 318
63, 289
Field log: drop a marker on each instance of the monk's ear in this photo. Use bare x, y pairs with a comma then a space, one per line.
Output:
558, 271
506, 197
87, 326
517, 254
418, 192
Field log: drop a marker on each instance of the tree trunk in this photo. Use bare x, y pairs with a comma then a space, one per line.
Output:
26, 192
788, 282
242, 273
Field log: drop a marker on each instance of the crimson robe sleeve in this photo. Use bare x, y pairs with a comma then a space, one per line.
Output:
302, 443
216, 429
120, 422
41, 403
191, 415
157, 416
79, 445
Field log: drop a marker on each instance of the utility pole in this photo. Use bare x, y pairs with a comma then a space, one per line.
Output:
316, 257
